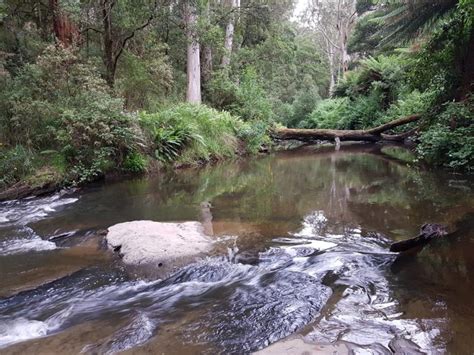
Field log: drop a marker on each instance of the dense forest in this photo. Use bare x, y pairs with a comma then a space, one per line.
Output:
92, 87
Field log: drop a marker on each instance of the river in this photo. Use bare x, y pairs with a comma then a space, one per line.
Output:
302, 241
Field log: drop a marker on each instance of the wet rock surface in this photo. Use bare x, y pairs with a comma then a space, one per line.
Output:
162, 245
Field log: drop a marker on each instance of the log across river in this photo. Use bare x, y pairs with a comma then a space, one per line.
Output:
369, 135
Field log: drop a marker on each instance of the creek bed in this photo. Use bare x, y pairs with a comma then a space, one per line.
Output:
303, 239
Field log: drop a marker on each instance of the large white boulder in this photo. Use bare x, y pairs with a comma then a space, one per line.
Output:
160, 244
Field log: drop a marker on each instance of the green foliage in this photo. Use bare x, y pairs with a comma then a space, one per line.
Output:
252, 104
304, 104
404, 20
135, 163
15, 164
96, 136
61, 103
364, 112
330, 113
410, 103
279, 78
170, 141
189, 134
144, 79
382, 75
366, 35
254, 135
247, 99
449, 141
221, 91
363, 6
431, 78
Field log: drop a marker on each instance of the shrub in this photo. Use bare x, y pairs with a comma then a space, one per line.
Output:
283, 112
304, 104
254, 135
15, 164
363, 112
411, 103
189, 133
61, 103
450, 140
251, 101
135, 163
221, 91
143, 79
330, 113
94, 136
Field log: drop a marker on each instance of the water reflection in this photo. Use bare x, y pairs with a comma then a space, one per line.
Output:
311, 231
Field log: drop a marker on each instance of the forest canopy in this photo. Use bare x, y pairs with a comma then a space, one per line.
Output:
90, 87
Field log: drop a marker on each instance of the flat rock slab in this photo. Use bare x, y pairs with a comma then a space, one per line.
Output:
161, 244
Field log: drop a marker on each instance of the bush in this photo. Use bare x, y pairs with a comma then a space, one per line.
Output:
450, 140
221, 91
15, 164
96, 137
304, 104
411, 103
254, 135
61, 103
330, 113
189, 133
144, 79
363, 112
283, 112
251, 100
135, 163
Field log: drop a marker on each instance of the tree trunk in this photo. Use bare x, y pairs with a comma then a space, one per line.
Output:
467, 69
332, 80
369, 135
193, 67
229, 36
207, 50
108, 42
65, 31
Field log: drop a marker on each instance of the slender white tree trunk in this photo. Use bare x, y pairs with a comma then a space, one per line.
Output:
193, 67
331, 62
229, 35
207, 49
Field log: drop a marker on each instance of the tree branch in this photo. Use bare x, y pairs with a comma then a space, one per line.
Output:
132, 34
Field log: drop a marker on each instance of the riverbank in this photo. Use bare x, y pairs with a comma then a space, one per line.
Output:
183, 135
48, 183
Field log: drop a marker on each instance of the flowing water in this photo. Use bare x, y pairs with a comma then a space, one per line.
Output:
302, 241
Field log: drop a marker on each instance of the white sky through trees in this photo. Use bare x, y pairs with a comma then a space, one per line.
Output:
299, 8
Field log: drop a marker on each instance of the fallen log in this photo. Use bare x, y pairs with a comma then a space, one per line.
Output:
368, 135
428, 232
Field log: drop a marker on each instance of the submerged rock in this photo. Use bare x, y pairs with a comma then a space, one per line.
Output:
159, 244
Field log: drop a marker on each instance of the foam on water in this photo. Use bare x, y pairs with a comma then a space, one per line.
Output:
30, 210
20, 246
20, 329
26, 241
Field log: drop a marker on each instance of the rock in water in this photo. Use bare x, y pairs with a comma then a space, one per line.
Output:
160, 244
